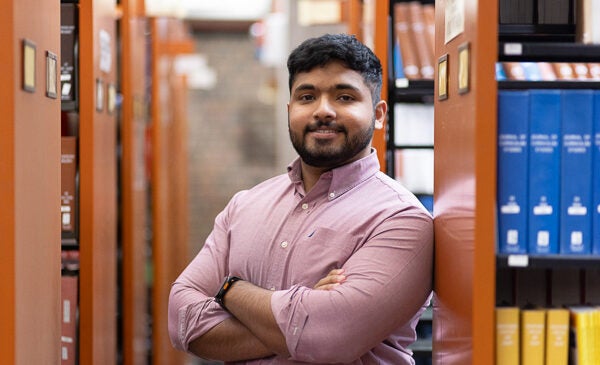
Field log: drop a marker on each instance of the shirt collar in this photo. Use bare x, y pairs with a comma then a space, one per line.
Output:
343, 178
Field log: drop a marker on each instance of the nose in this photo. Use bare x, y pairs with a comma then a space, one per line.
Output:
324, 110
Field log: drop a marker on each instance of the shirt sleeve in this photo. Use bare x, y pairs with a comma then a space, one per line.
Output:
192, 309
387, 282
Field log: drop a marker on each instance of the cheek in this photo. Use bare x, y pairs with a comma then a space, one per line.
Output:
297, 119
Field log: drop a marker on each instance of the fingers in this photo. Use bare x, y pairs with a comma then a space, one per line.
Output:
334, 278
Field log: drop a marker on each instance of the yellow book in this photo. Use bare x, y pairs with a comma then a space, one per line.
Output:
507, 336
596, 335
557, 336
582, 334
533, 336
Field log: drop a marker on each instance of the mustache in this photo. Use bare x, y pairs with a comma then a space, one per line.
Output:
324, 124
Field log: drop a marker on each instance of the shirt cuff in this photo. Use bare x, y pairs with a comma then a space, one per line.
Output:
290, 315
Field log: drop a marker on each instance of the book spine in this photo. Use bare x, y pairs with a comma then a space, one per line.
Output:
557, 336
402, 32
507, 336
563, 71
576, 172
420, 40
68, 54
69, 320
514, 71
596, 177
68, 197
513, 132
533, 336
532, 71
429, 17
544, 171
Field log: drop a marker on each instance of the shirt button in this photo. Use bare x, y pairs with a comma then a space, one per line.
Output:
284, 244
304, 206
332, 195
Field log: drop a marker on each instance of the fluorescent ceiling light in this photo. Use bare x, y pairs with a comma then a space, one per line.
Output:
225, 9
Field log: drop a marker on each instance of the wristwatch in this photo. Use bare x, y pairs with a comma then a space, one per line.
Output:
227, 283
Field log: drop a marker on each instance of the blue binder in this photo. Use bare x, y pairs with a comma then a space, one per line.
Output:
576, 172
544, 171
513, 131
596, 177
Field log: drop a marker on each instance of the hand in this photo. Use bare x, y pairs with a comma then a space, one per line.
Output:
333, 279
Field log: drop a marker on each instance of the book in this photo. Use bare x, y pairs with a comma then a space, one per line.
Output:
413, 124
414, 169
596, 176
581, 335
429, 17
581, 71
416, 20
532, 71
533, 336
594, 71
514, 71
563, 71
500, 72
576, 172
68, 336
68, 54
588, 24
547, 71
68, 183
507, 335
513, 155
557, 336
544, 171
407, 50
516, 11
553, 12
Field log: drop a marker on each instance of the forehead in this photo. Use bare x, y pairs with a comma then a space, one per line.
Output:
329, 75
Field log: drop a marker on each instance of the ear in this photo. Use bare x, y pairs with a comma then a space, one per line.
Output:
380, 114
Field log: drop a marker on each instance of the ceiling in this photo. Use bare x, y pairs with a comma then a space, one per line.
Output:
211, 10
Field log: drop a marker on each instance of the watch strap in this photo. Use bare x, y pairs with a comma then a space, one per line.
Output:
227, 284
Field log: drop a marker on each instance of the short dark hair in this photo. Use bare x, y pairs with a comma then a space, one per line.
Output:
319, 51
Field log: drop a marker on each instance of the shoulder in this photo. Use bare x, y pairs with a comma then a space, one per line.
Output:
396, 194
267, 188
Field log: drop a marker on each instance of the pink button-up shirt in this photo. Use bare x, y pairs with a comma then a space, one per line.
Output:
279, 238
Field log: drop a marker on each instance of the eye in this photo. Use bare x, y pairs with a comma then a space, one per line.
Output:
346, 97
306, 97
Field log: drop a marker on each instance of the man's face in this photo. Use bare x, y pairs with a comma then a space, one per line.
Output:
331, 116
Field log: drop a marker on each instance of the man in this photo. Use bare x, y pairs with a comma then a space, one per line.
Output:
329, 263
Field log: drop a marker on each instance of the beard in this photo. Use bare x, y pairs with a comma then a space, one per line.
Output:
326, 154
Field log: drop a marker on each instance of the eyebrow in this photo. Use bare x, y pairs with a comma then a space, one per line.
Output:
303, 87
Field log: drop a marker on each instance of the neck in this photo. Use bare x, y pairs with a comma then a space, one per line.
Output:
310, 175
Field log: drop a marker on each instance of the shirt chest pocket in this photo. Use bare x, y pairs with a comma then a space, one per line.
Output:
318, 252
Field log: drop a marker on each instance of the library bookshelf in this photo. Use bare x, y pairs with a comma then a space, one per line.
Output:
134, 184
98, 184
168, 171
465, 190
470, 278
29, 185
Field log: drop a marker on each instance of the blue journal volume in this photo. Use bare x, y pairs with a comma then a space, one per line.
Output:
576, 172
513, 133
596, 177
544, 171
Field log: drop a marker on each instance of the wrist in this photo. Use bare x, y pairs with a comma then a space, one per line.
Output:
225, 287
